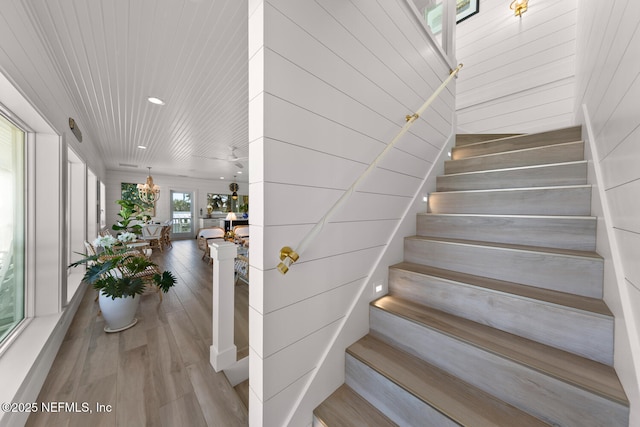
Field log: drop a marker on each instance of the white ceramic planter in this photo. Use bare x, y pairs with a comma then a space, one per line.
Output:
119, 314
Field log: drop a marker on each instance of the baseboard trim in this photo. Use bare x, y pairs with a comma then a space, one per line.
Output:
630, 379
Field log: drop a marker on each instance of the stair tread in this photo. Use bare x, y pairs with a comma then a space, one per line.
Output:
504, 190
510, 246
530, 149
539, 166
577, 217
541, 139
578, 302
346, 408
463, 139
456, 399
587, 374
575, 130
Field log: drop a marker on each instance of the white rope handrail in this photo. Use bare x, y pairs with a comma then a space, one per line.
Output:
287, 255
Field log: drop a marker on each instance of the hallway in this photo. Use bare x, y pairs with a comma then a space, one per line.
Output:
154, 374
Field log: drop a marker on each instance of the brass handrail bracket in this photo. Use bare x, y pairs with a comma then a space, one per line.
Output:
288, 256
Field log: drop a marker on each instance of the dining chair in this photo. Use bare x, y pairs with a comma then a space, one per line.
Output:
152, 233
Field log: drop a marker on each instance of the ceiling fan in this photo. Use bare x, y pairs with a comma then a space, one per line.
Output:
232, 157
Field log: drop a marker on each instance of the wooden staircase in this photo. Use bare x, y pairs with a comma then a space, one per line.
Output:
495, 317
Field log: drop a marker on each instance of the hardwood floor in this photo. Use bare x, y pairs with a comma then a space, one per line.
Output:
155, 374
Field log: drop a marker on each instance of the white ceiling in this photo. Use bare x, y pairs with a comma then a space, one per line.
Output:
113, 54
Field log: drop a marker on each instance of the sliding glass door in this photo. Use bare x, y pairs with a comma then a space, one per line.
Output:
181, 214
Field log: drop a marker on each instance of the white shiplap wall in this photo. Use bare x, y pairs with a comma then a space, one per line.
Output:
330, 84
519, 73
608, 91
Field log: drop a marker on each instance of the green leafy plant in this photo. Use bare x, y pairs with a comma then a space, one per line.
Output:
119, 272
129, 212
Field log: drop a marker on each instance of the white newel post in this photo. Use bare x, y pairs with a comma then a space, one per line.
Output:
223, 350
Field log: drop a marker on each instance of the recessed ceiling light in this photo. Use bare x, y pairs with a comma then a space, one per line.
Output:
222, 177
154, 100
239, 172
142, 147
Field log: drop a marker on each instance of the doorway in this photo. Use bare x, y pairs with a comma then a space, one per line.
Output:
181, 214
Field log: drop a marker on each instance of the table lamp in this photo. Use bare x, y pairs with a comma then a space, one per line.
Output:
231, 217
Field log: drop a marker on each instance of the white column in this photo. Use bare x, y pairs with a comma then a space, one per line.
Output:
223, 350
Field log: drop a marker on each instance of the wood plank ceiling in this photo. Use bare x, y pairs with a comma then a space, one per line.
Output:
113, 54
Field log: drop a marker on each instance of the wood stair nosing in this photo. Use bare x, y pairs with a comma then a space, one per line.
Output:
585, 374
458, 401
564, 270
580, 325
542, 175
346, 408
559, 200
559, 153
551, 231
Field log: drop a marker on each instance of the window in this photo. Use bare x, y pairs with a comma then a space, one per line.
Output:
12, 226
218, 202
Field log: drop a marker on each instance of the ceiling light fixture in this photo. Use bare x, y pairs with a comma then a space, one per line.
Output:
142, 147
234, 188
149, 192
154, 100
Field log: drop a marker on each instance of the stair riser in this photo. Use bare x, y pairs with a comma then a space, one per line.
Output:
543, 201
586, 334
537, 176
541, 395
569, 152
463, 139
549, 232
577, 275
518, 143
396, 403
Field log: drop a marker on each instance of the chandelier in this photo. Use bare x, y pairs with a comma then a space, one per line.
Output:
149, 192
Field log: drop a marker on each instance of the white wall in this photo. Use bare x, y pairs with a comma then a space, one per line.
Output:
519, 73
330, 84
200, 188
608, 92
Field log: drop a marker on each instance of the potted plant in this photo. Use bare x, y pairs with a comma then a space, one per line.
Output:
120, 276
131, 217
244, 208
